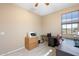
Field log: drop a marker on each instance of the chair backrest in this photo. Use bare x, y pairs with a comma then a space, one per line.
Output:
48, 34
59, 36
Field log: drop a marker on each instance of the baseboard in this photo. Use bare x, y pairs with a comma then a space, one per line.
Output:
11, 51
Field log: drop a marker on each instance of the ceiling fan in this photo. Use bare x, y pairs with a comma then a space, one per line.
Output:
36, 4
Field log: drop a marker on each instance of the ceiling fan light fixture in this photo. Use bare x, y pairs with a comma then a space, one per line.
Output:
36, 4
47, 4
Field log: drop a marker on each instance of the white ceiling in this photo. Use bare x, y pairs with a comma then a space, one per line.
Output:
42, 9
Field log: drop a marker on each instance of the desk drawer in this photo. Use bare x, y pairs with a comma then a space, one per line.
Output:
33, 45
32, 41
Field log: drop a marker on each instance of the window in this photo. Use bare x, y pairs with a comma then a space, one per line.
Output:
70, 22
75, 16
74, 28
64, 18
64, 29
68, 28
68, 17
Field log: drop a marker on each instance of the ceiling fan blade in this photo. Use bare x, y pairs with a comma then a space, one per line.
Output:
47, 4
36, 4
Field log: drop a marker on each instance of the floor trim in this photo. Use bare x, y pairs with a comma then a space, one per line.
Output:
11, 51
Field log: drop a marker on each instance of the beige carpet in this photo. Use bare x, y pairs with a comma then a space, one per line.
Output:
42, 50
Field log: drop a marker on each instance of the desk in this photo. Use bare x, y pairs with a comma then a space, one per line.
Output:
44, 38
52, 41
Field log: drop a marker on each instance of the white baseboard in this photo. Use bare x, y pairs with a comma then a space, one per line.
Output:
11, 51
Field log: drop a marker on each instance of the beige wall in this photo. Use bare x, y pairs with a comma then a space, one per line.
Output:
52, 22
16, 22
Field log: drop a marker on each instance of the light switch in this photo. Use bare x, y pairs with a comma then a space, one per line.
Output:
2, 33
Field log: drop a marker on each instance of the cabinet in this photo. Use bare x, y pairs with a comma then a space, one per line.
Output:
31, 43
